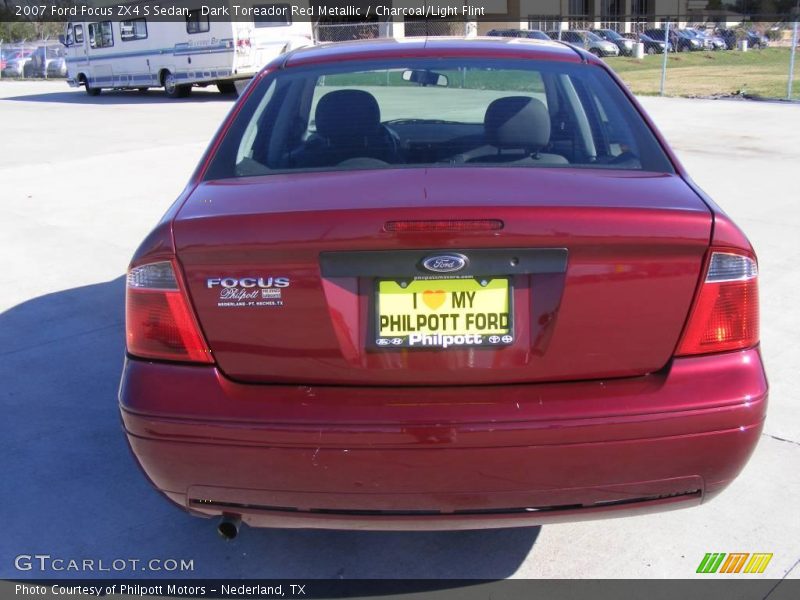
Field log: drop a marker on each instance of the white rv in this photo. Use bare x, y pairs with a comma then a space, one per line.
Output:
141, 52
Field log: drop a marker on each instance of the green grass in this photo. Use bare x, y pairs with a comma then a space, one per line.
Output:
472, 79
757, 72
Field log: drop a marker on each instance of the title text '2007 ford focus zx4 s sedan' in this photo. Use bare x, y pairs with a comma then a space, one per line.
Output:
439, 285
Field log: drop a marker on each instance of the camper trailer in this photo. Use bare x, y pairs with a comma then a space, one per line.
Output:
197, 50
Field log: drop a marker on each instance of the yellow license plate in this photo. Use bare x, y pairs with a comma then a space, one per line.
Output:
443, 313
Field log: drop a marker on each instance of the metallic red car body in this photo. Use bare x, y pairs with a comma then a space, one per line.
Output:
316, 430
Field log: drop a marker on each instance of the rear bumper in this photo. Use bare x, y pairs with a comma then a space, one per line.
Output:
443, 458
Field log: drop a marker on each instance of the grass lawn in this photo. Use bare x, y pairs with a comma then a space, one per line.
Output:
757, 72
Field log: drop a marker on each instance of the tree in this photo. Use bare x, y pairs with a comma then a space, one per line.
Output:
17, 29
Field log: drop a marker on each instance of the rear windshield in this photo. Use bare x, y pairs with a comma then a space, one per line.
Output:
436, 113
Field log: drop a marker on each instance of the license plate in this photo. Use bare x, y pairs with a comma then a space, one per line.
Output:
443, 313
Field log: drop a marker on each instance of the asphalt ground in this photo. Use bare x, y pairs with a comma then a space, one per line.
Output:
83, 180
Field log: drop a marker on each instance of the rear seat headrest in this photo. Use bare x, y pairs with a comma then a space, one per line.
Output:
347, 113
517, 122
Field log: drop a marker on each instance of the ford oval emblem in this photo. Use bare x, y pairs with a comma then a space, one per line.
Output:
445, 263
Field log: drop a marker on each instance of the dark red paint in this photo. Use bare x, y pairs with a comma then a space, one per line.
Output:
588, 414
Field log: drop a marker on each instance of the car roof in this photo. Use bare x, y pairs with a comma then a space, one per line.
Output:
439, 47
516, 30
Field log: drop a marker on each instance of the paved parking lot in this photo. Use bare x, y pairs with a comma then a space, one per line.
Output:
82, 180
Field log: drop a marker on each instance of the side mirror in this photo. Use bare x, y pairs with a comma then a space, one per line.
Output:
62, 39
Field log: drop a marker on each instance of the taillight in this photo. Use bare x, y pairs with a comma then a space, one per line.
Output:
158, 319
725, 314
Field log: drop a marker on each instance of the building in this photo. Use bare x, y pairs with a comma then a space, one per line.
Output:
546, 15
623, 15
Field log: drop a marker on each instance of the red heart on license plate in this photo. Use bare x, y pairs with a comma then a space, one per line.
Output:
433, 298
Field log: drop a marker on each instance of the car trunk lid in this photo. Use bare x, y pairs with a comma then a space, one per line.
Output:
283, 271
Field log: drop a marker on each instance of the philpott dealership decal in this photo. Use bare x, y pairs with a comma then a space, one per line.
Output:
237, 292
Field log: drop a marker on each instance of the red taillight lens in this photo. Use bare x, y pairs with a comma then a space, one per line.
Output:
158, 319
725, 314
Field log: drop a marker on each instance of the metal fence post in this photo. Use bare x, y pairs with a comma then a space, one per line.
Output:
664, 63
791, 59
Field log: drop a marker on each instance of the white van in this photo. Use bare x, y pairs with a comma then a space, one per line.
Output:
141, 52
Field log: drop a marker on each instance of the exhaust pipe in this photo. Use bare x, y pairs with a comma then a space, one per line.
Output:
228, 526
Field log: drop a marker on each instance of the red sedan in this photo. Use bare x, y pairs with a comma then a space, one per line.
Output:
441, 284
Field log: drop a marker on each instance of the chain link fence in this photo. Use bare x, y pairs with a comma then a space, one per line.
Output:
345, 32
435, 27
711, 58
702, 57
41, 59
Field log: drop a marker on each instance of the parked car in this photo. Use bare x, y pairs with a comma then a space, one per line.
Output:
757, 40
625, 45
679, 39
5, 54
717, 42
41, 58
16, 61
57, 67
690, 41
653, 46
440, 306
729, 37
587, 40
533, 34
704, 43
707, 40
661, 35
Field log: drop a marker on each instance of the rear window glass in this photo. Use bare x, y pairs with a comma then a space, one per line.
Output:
437, 113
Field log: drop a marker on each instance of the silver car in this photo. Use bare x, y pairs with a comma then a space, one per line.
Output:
587, 40
57, 67
624, 44
15, 63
